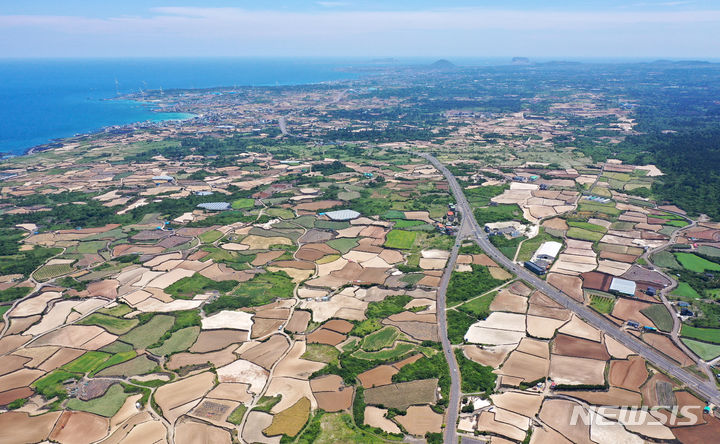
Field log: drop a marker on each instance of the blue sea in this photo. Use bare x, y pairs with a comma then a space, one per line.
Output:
41, 100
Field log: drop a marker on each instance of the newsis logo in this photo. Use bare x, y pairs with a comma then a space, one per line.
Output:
634, 416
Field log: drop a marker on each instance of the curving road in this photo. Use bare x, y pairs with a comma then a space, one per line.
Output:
705, 389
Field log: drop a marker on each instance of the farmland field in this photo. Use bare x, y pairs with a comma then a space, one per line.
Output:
582, 234
291, 420
380, 339
400, 349
179, 341
696, 263
106, 405
209, 237
343, 245
706, 351
320, 353
139, 365
602, 304
703, 334
528, 248
188, 287
709, 251
665, 259
87, 362
116, 326
52, 271
400, 239
243, 203
149, 333
684, 290
660, 316
114, 360
479, 307
587, 226
596, 207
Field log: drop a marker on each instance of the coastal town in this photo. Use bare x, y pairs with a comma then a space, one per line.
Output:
410, 256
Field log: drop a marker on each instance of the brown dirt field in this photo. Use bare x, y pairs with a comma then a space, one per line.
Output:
298, 322
335, 401
614, 396
520, 288
483, 259
627, 309
421, 331
211, 340
556, 223
338, 325
570, 370
70, 336
571, 285
375, 417
649, 393
525, 366
541, 327
60, 358
219, 358
420, 420
548, 436
17, 393
300, 265
630, 374
191, 432
596, 281
231, 391
534, 347
178, 393
378, 376
429, 281
215, 411
273, 313
581, 348
700, 434
506, 301
541, 305
616, 349
17, 427
324, 336
34, 305
628, 258
488, 423
318, 205
400, 364
557, 414
104, 289
526, 404
255, 424
327, 383
403, 394
19, 325
665, 345
11, 363
684, 398
409, 316
19, 378
490, 356
263, 327
79, 428
267, 353
265, 257
579, 328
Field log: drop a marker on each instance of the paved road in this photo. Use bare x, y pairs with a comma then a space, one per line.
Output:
454, 401
705, 389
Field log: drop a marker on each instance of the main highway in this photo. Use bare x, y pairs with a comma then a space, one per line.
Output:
703, 388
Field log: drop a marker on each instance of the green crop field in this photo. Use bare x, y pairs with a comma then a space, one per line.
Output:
116, 326
282, 213
188, 287
115, 359
479, 307
404, 223
380, 339
709, 251
242, 204
211, 236
660, 316
179, 341
331, 224
665, 259
596, 207
51, 385
602, 304
320, 353
87, 362
148, 333
343, 245
706, 351
117, 310
52, 271
703, 334
400, 349
400, 239
582, 234
696, 263
139, 365
106, 405
684, 290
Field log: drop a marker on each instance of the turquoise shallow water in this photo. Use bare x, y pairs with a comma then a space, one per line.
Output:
41, 100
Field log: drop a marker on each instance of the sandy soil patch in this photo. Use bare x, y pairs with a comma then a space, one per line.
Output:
421, 331
17, 427
79, 428
12, 342
555, 223
254, 425
628, 309
492, 336
267, 353
578, 328
179, 393
616, 349
35, 305
403, 394
378, 376
19, 325
570, 285
391, 256
170, 278
36, 355
614, 396
77, 336
191, 432
19, 378
235, 320
580, 348
263, 327
10, 363
557, 414
54, 318
522, 403
231, 391
292, 390
487, 422
244, 372
255, 242
571, 370
292, 365
104, 289
375, 417
335, 401
420, 420
525, 366
490, 356
506, 301
324, 310
541, 327
220, 357
211, 340
265, 257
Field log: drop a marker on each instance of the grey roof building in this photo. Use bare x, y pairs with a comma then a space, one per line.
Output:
342, 215
623, 286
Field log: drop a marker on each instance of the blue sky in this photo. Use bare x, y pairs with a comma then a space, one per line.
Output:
353, 28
